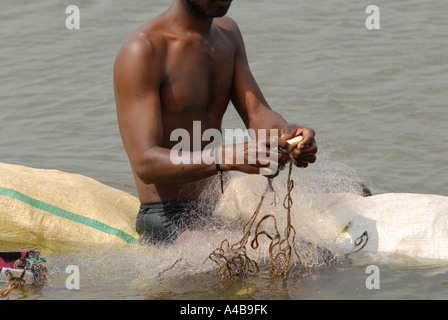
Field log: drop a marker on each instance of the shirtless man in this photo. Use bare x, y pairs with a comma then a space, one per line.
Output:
184, 66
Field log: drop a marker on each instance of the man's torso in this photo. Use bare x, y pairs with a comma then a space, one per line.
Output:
197, 87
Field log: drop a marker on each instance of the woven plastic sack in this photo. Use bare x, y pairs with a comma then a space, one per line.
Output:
51, 205
392, 224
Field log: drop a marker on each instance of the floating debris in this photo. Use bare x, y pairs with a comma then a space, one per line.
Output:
21, 268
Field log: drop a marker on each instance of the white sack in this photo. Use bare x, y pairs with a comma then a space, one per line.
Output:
413, 225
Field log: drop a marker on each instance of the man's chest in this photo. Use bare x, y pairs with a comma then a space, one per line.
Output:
199, 74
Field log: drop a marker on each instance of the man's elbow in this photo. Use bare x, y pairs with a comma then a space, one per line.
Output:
144, 170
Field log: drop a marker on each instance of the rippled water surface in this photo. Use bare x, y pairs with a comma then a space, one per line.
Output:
376, 98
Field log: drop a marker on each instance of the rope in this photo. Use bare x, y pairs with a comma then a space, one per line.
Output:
233, 261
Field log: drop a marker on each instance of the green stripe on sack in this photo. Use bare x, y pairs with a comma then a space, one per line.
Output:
68, 215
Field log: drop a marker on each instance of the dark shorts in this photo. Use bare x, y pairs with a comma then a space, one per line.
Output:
162, 223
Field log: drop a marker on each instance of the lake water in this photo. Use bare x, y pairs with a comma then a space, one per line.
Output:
376, 98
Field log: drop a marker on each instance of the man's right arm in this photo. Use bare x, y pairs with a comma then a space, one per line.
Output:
138, 73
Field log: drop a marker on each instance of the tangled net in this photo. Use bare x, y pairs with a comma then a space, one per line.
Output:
233, 261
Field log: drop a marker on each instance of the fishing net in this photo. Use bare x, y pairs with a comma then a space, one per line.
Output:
285, 252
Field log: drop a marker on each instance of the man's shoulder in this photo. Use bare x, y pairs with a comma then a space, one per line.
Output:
230, 27
144, 49
146, 40
227, 23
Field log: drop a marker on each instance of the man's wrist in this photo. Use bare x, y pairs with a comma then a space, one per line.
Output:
219, 160
225, 167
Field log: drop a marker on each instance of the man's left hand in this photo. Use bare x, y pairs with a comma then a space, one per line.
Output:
305, 152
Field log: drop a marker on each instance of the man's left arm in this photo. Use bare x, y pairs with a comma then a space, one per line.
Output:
256, 112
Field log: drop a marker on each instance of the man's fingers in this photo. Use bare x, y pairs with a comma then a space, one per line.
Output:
305, 159
305, 151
